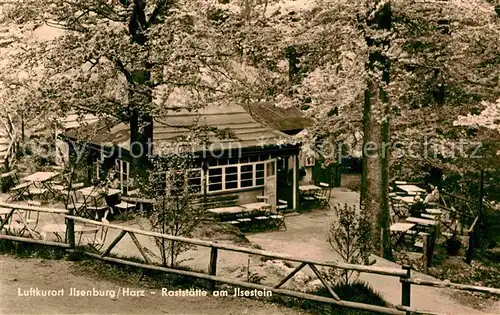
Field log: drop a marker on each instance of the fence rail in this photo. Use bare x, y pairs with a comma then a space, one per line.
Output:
361, 268
403, 274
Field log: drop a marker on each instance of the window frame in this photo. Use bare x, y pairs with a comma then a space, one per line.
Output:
239, 173
119, 167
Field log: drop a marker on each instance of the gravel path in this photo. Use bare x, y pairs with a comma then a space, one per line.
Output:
23, 274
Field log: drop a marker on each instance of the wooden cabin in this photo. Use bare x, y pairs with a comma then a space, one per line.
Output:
244, 165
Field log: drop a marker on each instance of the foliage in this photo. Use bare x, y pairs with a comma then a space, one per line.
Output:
350, 237
356, 292
124, 59
28, 250
483, 272
176, 211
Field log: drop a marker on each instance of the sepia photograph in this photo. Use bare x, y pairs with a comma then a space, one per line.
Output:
274, 157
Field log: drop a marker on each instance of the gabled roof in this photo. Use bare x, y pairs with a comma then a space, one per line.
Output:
245, 131
105, 131
73, 120
289, 120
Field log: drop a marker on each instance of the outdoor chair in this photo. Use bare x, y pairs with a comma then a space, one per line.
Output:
399, 209
123, 207
307, 201
23, 221
278, 219
282, 202
323, 196
18, 191
94, 237
30, 218
78, 208
262, 198
232, 222
64, 191
14, 228
264, 219
99, 212
36, 192
428, 216
244, 220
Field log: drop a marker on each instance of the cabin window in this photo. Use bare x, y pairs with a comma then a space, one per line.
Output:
122, 168
234, 174
223, 175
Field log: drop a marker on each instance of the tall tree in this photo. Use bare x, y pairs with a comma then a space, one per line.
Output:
368, 65
376, 120
132, 60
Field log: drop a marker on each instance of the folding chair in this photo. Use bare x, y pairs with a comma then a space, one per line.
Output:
399, 209
323, 196
264, 219
65, 191
19, 191
94, 237
244, 220
262, 198
36, 191
32, 219
123, 207
100, 212
278, 219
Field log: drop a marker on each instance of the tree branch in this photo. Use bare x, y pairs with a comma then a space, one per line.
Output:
161, 5
120, 66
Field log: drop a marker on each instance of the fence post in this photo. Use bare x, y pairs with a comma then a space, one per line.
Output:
425, 239
70, 229
470, 249
406, 288
212, 268
381, 242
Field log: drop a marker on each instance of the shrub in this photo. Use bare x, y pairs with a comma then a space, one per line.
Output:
359, 292
350, 237
28, 250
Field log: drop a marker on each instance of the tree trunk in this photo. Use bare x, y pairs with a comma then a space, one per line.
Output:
375, 174
140, 96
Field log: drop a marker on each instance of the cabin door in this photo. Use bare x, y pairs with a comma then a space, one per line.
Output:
270, 186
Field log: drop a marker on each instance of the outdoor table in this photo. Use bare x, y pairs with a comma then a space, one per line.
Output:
398, 232
434, 211
19, 191
411, 189
308, 192
92, 195
94, 192
309, 188
407, 199
40, 177
228, 213
38, 180
257, 206
227, 210
97, 193
61, 228
423, 222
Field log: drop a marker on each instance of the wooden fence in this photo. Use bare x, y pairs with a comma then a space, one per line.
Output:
403, 274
